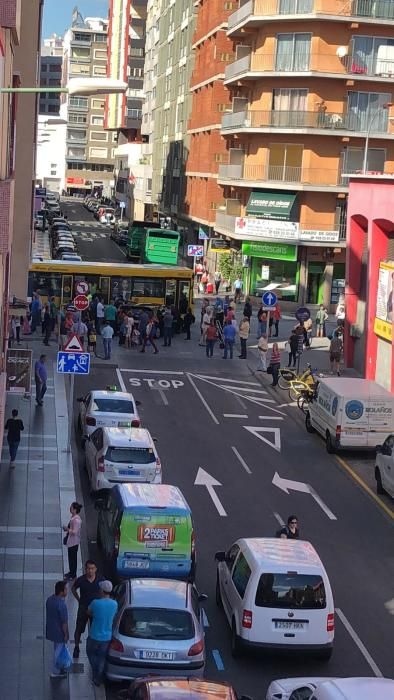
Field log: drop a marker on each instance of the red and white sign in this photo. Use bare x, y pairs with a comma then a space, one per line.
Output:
73, 344
81, 302
82, 287
75, 181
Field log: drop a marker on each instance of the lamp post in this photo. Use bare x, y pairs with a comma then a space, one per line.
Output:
78, 86
387, 105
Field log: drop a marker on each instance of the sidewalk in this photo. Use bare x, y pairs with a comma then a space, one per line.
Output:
35, 498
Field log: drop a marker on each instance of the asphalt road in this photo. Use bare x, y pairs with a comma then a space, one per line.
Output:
93, 239
221, 417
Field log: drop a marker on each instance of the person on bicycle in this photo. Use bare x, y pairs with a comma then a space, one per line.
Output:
291, 530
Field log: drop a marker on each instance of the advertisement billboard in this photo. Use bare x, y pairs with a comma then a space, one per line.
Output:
19, 368
384, 301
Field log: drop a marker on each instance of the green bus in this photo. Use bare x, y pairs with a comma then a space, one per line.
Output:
149, 243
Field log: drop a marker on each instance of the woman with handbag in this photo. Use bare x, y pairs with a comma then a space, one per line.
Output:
72, 539
275, 364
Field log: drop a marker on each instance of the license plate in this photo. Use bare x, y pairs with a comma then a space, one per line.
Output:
124, 424
289, 625
136, 565
157, 655
129, 472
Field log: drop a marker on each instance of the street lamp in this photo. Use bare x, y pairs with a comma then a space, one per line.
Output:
387, 105
78, 86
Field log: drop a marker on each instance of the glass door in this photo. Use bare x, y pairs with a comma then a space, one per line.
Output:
104, 287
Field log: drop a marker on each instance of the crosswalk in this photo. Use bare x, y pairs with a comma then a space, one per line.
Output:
89, 224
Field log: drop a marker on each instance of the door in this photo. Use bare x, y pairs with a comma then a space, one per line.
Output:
170, 297
285, 162
92, 448
225, 569
237, 589
183, 299
386, 463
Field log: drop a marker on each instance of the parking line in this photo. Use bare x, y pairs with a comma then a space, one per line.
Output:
241, 459
204, 618
365, 486
218, 659
367, 656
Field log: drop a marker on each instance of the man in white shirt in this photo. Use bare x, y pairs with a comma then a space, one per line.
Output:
107, 333
99, 315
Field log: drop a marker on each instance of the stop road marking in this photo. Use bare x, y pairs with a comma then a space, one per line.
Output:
154, 383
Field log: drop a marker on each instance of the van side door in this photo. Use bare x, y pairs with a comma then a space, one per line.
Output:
239, 581
225, 571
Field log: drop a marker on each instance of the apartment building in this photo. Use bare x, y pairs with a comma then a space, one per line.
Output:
50, 76
172, 71
309, 80
126, 47
53, 46
213, 51
90, 149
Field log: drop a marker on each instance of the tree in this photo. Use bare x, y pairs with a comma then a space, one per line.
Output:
230, 266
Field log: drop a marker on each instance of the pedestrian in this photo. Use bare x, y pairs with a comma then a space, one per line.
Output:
16, 328
262, 346
102, 612
110, 312
229, 333
308, 325
129, 323
14, 426
40, 377
57, 624
206, 321
336, 347
291, 530
211, 338
142, 324
217, 279
275, 364
199, 271
47, 325
293, 348
244, 329
238, 284
80, 330
36, 311
248, 311
204, 281
276, 316
262, 322
321, 318
53, 312
149, 337
107, 333
188, 321
89, 590
99, 315
92, 337
72, 539
168, 320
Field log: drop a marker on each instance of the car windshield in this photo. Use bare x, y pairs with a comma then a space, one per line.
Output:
291, 590
156, 623
108, 405
130, 455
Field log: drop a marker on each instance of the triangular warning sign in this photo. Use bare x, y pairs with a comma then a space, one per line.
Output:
73, 344
257, 432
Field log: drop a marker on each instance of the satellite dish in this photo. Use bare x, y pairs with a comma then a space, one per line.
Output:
342, 51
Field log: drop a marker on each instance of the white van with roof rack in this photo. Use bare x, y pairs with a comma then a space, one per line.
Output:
276, 595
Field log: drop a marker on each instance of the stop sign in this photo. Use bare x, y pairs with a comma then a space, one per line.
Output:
81, 302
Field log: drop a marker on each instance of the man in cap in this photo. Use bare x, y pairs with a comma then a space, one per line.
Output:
102, 611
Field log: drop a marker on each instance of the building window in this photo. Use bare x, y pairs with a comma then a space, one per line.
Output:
53, 109
96, 120
74, 152
372, 56
78, 102
80, 52
98, 152
100, 54
100, 38
97, 104
76, 134
79, 36
293, 52
136, 53
99, 135
55, 68
79, 69
99, 70
53, 172
77, 118
363, 106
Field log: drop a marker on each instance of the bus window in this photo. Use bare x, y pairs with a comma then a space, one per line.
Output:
121, 288
148, 287
104, 286
67, 290
170, 291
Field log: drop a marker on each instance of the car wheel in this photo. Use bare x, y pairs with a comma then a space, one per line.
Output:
218, 595
329, 444
235, 641
324, 655
308, 423
379, 484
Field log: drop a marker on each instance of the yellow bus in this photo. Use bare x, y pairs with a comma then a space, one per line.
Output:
135, 284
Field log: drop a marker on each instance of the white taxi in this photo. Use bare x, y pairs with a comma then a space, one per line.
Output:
121, 455
107, 409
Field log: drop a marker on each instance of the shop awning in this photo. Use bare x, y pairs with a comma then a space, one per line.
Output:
271, 205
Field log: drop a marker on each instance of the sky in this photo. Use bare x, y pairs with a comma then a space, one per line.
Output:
57, 13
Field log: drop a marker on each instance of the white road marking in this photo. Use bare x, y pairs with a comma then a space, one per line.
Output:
199, 394
389, 605
256, 430
151, 371
285, 405
204, 618
121, 382
279, 519
241, 403
234, 415
205, 479
288, 485
260, 401
241, 388
162, 394
241, 459
232, 381
270, 417
367, 656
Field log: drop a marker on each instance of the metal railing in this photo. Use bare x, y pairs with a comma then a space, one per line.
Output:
319, 177
293, 119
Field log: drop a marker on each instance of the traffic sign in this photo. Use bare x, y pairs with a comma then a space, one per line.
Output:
73, 362
195, 251
269, 299
302, 314
82, 287
122, 205
81, 302
73, 344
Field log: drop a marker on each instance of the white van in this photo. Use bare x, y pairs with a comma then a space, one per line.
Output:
351, 413
276, 595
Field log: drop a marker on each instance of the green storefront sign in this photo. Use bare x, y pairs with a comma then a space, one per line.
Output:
275, 251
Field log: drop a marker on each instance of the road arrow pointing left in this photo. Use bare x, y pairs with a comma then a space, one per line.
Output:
288, 485
205, 479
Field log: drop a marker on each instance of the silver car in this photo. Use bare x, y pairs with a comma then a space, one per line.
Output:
158, 630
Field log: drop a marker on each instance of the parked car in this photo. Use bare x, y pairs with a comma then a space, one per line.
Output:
384, 469
159, 629
71, 257
331, 689
108, 408
120, 233
167, 688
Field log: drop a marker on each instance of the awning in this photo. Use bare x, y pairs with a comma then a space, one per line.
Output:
271, 205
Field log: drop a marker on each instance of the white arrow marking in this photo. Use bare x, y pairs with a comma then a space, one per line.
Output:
287, 485
205, 479
257, 432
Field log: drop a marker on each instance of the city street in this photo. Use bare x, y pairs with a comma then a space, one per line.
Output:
92, 238
221, 417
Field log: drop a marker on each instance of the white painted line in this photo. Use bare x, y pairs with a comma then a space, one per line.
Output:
241, 403
162, 394
279, 519
204, 618
270, 417
31, 552
241, 388
285, 405
150, 371
199, 394
121, 382
259, 433
232, 381
241, 459
234, 415
205, 479
260, 401
30, 529
367, 656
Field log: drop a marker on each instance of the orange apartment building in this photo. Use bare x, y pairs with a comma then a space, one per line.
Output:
210, 99
310, 80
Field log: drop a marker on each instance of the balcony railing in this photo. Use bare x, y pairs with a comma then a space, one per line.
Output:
305, 62
319, 177
371, 9
293, 119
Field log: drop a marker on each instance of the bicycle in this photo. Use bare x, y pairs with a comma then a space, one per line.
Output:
305, 398
287, 376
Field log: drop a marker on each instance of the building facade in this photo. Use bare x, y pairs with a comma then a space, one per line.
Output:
50, 76
53, 46
304, 95
90, 149
126, 51
51, 152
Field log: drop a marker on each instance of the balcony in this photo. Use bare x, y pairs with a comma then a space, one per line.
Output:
325, 122
285, 176
253, 66
255, 12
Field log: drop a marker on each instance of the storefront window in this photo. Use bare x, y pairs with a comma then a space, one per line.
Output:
338, 283
277, 275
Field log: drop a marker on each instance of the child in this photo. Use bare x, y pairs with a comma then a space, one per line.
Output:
92, 338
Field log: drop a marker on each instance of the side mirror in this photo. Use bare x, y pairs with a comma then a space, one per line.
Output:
220, 556
379, 448
202, 597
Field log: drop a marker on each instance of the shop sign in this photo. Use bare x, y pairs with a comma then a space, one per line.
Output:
251, 227
219, 245
274, 251
75, 181
19, 365
319, 236
384, 303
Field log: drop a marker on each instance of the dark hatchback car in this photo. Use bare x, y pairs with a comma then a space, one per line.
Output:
179, 689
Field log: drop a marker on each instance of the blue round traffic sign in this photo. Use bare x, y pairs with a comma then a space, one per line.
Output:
269, 299
302, 314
